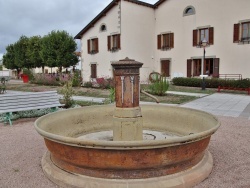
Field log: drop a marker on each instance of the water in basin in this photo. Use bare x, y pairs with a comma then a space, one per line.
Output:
147, 135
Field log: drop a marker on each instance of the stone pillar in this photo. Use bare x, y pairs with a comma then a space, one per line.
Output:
127, 120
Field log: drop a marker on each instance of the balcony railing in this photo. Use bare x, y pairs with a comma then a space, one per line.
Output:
166, 47
245, 40
93, 51
114, 49
199, 45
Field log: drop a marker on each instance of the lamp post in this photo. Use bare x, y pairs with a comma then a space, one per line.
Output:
204, 44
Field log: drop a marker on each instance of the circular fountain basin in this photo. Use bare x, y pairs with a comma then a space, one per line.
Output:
80, 143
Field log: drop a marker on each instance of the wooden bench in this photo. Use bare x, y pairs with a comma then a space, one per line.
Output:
234, 89
16, 102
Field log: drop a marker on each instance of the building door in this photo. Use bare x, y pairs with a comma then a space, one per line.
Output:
211, 67
93, 71
208, 67
165, 68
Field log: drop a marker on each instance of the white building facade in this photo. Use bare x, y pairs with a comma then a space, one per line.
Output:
167, 37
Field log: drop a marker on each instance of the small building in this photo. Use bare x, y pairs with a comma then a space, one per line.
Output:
167, 36
48, 70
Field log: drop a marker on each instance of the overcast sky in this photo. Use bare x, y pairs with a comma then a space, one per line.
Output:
36, 17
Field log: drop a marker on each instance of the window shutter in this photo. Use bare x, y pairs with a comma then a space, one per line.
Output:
195, 42
211, 36
109, 43
236, 33
119, 41
88, 43
189, 67
216, 68
171, 40
158, 41
96, 44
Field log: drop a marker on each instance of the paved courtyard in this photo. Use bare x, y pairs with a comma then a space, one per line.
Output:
223, 105
22, 147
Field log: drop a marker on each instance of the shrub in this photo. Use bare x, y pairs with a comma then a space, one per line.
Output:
105, 83
51, 79
112, 95
63, 78
211, 83
180, 81
77, 80
45, 79
159, 87
29, 73
245, 83
88, 84
67, 92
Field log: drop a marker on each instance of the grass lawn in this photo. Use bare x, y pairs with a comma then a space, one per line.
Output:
104, 93
192, 89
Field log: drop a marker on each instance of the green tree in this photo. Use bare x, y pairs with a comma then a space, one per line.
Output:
9, 58
1, 64
58, 49
21, 53
34, 52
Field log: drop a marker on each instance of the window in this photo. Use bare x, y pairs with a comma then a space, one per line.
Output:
93, 71
93, 46
165, 41
211, 67
114, 42
190, 10
246, 31
242, 32
203, 33
103, 28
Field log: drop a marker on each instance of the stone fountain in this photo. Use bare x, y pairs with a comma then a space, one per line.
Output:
129, 145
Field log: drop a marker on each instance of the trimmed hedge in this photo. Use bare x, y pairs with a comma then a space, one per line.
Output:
211, 83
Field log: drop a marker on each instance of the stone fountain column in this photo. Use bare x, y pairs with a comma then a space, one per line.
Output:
127, 119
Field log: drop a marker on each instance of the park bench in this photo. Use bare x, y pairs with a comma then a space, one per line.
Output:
234, 89
17, 102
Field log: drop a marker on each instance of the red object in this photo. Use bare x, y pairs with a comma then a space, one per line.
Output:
235, 89
25, 78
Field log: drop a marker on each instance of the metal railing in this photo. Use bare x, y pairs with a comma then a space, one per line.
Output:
231, 76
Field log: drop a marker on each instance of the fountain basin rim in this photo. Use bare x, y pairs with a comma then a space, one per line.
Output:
126, 145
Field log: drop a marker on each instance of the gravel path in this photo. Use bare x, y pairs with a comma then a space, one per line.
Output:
22, 149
